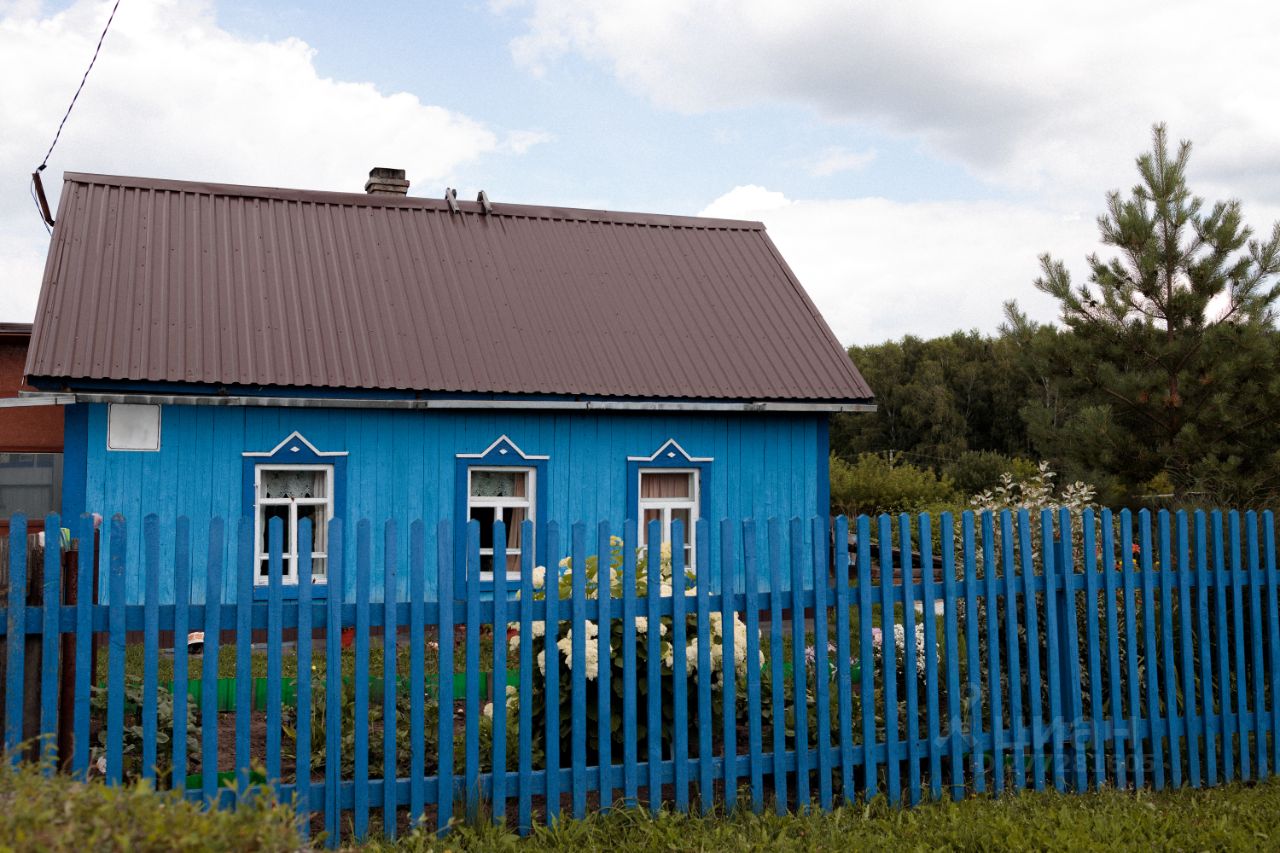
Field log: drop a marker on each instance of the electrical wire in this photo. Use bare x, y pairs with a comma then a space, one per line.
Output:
67, 114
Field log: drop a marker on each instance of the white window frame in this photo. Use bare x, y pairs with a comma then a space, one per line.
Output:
666, 505
289, 558
528, 503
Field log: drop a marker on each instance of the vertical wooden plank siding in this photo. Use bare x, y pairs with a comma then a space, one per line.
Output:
910, 659
653, 659
1033, 651
866, 660
604, 656
181, 627
844, 686
777, 675
15, 638
390, 673
209, 663
728, 566
993, 651
302, 700
115, 652
798, 655
888, 621
51, 644
1257, 661
822, 664
679, 671
755, 737
88, 567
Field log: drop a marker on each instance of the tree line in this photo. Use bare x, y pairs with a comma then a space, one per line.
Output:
1159, 385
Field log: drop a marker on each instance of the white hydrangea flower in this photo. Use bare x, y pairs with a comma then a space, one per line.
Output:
642, 624
539, 576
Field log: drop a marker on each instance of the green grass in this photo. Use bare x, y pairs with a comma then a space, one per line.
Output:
1235, 817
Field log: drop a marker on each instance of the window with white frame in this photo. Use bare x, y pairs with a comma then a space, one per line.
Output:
667, 494
292, 493
501, 493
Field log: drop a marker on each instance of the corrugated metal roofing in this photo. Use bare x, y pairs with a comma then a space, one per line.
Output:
174, 281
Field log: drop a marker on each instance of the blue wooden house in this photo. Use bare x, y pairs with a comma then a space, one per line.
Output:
248, 352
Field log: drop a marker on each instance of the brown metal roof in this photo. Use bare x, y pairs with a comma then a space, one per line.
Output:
175, 281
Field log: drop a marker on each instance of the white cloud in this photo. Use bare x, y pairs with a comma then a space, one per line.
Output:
880, 269
175, 95
835, 159
1054, 98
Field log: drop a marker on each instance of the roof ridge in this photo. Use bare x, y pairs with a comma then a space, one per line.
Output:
527, 211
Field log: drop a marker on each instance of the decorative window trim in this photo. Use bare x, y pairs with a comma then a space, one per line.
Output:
503, 453
670, 457
293, 451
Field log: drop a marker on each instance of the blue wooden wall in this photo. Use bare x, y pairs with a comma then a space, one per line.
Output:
401, 464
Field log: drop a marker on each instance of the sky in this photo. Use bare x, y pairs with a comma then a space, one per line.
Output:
911, 160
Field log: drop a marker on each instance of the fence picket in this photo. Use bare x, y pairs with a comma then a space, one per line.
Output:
51, 600
16, 636
910, 659
1017, 729
888, 621
777, 685
799, 653
706, 771
679, 671
1241, 718
1114, 680
115, 652
417, 670
1034, 682
524, 807
1208, 718
498, 689
209, 662
1150, 652
360, 780
302, 701
1053, 643
181, 627
1273, 628
866, 657
1069, 630
1221, 634
822, 665
444, 673
973, 668
577, 672
1170, 678
1257, 660
335, 572
653, 652
390, 673
751, 583
471, 702
728, 563
551, 659
244, 570
87, 568
630, 771
275, 624
1190, 720
1088, 548
150, 641
604, 655
844, 687
996, 705
950, 630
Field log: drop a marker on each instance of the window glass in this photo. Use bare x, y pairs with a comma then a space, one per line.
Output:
30, 483
504, 494
667, 496
133, 427
497, 484
293, 494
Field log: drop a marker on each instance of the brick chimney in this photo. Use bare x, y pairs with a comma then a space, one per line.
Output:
383, 181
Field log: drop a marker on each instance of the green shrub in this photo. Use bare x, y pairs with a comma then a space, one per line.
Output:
874, 485
59, 813
977, 471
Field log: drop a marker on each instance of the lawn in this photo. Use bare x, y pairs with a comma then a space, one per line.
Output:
1234, 817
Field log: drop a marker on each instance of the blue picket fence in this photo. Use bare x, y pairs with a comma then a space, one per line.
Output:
925, 660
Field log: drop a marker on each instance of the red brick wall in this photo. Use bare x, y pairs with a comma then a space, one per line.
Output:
34, 429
